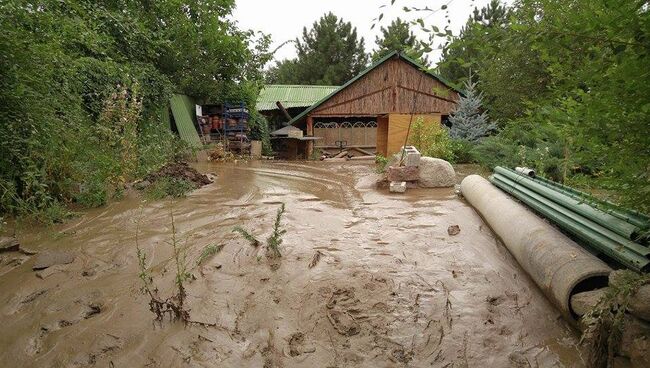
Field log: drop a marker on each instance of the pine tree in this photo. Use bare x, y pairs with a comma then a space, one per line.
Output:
398, 36
468, 122
330, 53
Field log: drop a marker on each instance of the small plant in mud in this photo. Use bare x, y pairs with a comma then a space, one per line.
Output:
172, 306
604, 324
274, 240
381, 162
208, 252
246, 235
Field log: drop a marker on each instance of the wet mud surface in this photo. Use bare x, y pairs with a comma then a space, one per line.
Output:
366, 279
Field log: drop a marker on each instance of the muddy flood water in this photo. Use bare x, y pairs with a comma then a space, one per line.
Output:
391, 289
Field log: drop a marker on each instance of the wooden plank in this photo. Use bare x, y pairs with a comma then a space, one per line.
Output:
398, 126
382, 135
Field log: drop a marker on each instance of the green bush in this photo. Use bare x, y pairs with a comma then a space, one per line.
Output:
462, 151
431, 140
381, 162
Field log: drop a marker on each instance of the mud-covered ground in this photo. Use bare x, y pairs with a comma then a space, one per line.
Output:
392, 288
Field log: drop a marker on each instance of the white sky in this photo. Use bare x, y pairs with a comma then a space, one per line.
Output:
285, 19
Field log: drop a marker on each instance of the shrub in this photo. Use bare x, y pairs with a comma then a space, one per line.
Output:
431, 140
462, 151
381, 163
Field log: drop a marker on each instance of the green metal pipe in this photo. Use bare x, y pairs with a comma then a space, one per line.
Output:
634, 217
615, 224
569, 223
616, 238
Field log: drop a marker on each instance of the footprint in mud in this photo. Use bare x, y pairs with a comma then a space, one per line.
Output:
342, 297
340, 304
343, 322
297, 345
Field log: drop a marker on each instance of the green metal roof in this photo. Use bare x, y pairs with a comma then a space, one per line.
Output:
291, 95
183, 111
397, 54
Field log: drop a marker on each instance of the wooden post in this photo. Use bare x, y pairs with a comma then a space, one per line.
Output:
310, 133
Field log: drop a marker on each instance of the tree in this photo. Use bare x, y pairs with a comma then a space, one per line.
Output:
328, 54
470, 121
63, 61
478, 39
398, 36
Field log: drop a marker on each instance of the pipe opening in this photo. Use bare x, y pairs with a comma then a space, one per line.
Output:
588, 284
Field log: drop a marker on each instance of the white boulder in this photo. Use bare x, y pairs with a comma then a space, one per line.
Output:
436, 173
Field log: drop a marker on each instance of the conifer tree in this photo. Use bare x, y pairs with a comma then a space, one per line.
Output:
470, 122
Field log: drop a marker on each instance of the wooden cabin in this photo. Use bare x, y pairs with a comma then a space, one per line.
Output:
372, 111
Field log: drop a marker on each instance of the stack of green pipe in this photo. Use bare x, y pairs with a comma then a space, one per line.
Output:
634, 217
605, 232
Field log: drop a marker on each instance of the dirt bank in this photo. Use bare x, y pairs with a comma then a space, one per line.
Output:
391, 288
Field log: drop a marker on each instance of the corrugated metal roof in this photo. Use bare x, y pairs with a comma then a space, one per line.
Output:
183, 110
291, 95
397, 54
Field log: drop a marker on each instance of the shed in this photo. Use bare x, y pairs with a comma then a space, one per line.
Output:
372, 110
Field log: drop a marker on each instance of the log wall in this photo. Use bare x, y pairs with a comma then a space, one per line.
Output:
395, 86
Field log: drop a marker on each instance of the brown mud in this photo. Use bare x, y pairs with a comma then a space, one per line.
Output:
366, 279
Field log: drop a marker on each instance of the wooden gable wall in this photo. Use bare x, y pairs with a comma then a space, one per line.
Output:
392, 87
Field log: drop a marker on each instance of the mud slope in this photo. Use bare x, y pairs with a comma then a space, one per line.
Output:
391, 287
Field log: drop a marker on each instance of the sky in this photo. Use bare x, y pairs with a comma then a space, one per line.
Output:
285, 19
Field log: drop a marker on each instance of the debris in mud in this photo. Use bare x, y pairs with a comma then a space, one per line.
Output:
453, 230
51, 258
45, 273
178, 170
315, 259
402, 356
220, 154
31, 297
9, 244
93, 310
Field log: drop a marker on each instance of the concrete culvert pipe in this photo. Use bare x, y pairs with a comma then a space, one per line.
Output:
558, 265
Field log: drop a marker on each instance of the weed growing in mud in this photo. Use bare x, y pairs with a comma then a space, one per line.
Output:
605, 322
248, 236
172, 306
169, 187
208, 252
274, 241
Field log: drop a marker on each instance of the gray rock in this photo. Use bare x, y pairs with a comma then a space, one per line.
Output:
9, 244
50, 258
436, 173
582, 303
